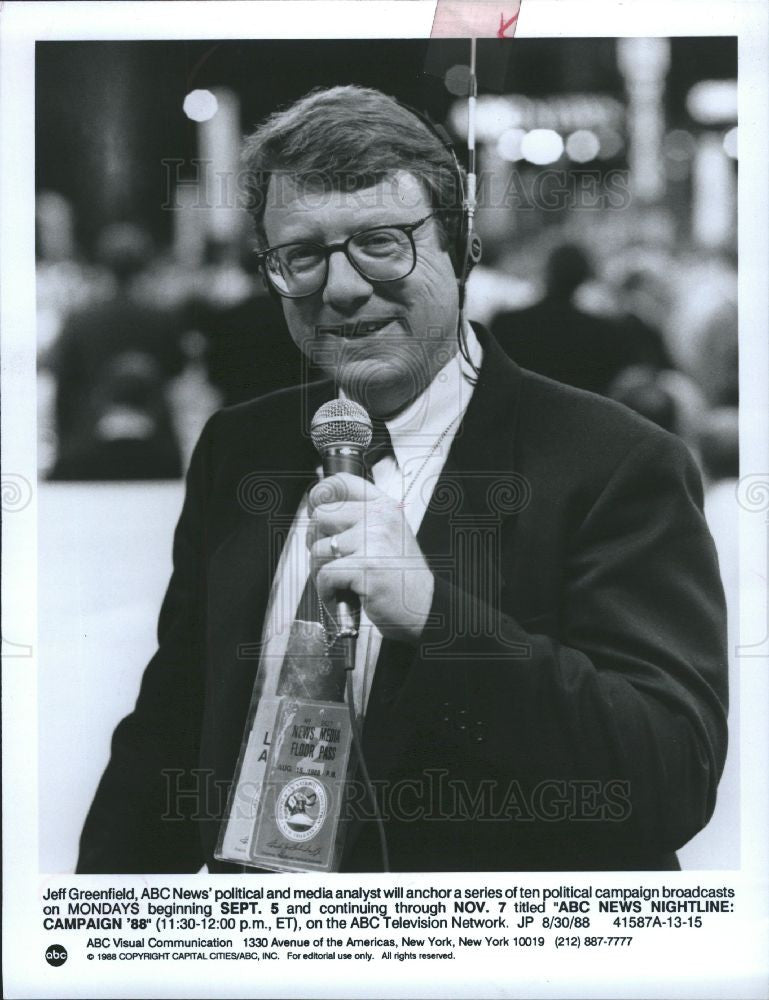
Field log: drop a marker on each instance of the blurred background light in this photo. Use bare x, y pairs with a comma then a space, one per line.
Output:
677, 170
730, 143
200, 105
558, 112
679, 145
509, 144
713, 102
679, 148
611, 143
457, 80
582, 145
541, 146
715, 192
643, 59
493, 117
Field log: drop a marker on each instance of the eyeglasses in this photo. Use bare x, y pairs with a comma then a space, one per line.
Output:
380, 254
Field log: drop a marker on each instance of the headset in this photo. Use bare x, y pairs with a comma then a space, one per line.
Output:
468, 249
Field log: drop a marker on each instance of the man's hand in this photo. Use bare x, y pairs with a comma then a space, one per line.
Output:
379, 558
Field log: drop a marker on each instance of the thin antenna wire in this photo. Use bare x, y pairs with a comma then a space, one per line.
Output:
471, 173
470, 205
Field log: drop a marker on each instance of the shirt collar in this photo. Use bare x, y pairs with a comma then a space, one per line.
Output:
444, 400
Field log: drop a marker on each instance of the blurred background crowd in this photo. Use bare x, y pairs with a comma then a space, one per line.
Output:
607, 208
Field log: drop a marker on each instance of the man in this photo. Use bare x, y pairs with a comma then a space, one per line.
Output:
558, 339
113, 362
544, 674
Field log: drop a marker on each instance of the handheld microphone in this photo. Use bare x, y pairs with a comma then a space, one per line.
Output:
341, 430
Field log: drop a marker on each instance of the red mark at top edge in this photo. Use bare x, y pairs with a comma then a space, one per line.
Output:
474, 19
504, 25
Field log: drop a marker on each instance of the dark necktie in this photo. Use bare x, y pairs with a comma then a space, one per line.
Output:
381, 445
312, 668
309, 671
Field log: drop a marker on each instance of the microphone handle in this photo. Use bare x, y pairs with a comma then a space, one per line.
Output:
346, 458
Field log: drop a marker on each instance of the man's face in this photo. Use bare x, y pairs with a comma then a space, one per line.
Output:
382, 341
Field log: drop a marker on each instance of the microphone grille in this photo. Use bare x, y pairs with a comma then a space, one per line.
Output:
341, 421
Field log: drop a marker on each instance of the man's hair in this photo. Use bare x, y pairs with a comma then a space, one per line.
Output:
348, 139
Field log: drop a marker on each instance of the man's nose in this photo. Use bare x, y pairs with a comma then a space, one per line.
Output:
345, 290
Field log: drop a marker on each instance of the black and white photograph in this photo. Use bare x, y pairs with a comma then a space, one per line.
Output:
394, 425
544, 684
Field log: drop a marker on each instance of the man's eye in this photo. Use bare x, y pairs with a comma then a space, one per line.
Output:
379, 242
300, 258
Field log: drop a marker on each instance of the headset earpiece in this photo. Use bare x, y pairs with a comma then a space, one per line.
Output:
466, 250
475, 250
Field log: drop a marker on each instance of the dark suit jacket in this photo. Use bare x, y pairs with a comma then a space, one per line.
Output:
556, 339
566, 706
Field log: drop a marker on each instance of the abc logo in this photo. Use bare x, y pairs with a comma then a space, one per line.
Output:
56, 954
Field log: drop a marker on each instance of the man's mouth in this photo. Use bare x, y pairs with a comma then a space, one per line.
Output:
360, 328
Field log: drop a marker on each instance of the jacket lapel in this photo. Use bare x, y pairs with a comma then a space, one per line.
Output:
471, 516
292, 462
480, 465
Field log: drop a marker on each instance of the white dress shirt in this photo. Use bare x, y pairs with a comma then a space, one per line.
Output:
421, 437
